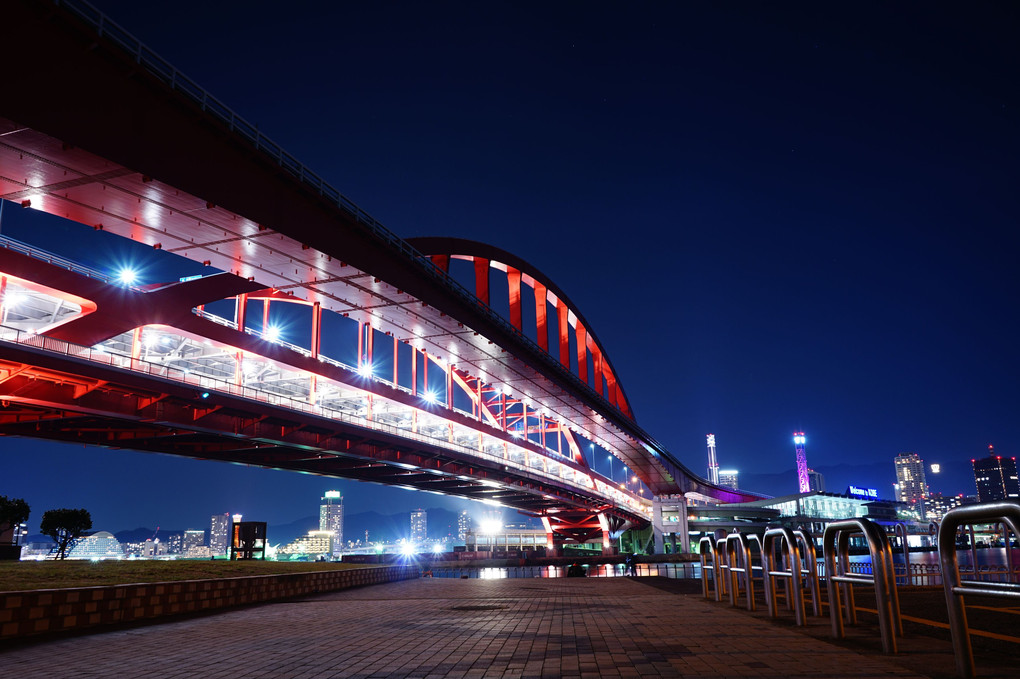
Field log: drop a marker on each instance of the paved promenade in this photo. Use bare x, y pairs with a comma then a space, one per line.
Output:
614, 627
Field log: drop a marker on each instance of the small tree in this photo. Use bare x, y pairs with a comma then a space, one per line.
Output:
66, 527
13, 512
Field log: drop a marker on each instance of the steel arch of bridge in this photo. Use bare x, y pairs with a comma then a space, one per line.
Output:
567, 324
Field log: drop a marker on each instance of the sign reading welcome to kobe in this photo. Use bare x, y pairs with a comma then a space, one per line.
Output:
857, 491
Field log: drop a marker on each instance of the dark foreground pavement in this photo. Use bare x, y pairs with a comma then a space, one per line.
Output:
613, 627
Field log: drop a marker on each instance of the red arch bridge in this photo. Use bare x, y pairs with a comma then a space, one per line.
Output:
316, 340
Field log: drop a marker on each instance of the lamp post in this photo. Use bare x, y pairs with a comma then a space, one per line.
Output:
611, 469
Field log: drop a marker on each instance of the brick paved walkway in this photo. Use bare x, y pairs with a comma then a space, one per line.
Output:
459, 628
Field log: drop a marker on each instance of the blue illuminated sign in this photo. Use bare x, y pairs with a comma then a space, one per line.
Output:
856, 491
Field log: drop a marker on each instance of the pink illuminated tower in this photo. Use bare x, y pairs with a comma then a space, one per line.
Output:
713, 465
802, 476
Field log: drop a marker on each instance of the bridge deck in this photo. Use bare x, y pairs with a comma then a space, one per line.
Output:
467, 628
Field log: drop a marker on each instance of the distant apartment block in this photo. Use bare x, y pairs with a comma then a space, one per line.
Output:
219, 534
419, 526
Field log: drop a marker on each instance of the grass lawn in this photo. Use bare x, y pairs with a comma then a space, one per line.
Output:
22, 575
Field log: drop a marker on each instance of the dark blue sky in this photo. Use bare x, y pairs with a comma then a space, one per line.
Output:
775, 217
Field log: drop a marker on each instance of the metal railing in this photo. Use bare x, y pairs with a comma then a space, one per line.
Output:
836, 547
668, 570
50, 258
709, 546
900, 531
738, 560
772, 570
809, 569
956, 588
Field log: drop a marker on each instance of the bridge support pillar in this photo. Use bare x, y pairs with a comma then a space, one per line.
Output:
676, 507
581, 527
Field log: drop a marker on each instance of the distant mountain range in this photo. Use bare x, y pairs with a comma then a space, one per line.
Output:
878, 475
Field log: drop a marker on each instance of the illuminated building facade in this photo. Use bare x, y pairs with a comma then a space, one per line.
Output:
996, 478
419, 526
331, 518
728, 478
911, 485
318, 543
100, 545
193, 541
507, 540
219, 534
936, 505
464, 524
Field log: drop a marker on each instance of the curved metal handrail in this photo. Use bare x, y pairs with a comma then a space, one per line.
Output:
810, 570
738, 557
900, 530
1000, 512
790, 555
836, 547
704, 552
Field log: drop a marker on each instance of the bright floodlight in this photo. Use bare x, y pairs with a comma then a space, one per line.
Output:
13, 299
430, 397
491, 526
271, 334
365, 370
437, 548
127, 276
407, 549
935, 467
799, 439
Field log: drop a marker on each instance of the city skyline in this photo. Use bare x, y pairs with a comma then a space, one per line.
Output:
746, 205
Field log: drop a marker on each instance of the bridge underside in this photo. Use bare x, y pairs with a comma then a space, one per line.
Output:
169, 174
66, 399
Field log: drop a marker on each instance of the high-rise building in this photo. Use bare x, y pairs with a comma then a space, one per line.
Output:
464, 524
728, 478
816, 481
996, 477
331, 518
911, 486
193, 539
419, 525
219, 534
174, 543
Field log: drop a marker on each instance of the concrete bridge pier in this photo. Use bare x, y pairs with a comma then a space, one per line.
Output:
675, 506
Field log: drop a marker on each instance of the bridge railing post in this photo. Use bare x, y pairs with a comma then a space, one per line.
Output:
956, 588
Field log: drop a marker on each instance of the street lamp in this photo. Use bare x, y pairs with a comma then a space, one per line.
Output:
611, 468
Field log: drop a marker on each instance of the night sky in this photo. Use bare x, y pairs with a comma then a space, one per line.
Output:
775, 217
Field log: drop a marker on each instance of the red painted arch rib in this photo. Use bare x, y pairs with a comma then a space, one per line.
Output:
604, 379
